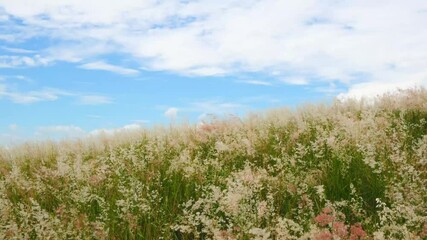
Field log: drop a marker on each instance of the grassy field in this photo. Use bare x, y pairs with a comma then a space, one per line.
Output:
347, 170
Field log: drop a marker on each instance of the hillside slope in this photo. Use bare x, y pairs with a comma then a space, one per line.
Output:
350, 170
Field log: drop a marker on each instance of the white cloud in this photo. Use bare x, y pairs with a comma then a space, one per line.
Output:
111, 131
141, 121
15, 77
215, 107
22, 61
76, 52
70, 131
295, 80
331, 89
212, 108
109, 67
257, 82
47, 94
206, 108
209, 107
205, 71
171, 113
359, 43
3, 17
373, 89
59, 132
94, 100
50, 94
18, 50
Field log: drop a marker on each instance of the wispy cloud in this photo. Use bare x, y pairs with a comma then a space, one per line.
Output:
15, 77
215, 107
257, 82
47, 94
94, 100
110, 131
109, 67
22, 61
59, 132
207, 108
295, 80
171, 112
372, 89
141, 121
204, 71
18, 50
50, 94
330, 89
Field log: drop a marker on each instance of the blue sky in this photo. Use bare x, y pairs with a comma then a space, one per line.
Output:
71, 68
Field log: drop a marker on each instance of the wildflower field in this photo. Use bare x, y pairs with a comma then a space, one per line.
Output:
345, 170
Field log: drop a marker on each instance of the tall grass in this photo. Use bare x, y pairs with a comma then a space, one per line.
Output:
349, 170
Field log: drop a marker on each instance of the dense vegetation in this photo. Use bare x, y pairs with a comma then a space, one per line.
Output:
347, 170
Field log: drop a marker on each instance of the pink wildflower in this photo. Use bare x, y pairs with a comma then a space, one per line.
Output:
325, 235
327, 210
357, 232
324, 219
340, 229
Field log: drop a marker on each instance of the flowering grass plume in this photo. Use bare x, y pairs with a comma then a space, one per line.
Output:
353, 169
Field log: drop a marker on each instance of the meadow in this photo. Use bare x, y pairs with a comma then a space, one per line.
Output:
350, 169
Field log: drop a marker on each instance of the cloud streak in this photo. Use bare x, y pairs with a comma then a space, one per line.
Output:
18, 50
94, 100
257, 82
50, 94
7, 61
109, 67
47, 94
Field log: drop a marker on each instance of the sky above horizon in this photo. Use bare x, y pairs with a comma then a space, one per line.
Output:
69, 68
